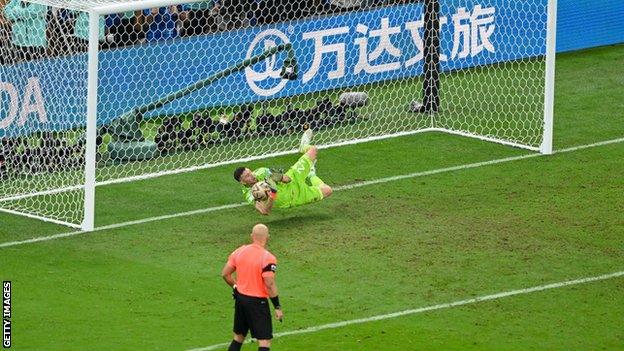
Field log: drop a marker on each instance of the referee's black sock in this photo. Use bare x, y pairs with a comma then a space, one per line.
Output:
262, 348
235, 346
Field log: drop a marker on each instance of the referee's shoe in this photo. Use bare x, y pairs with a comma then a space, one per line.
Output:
254, 284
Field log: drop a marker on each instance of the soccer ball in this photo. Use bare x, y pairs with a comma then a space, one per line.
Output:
260, 191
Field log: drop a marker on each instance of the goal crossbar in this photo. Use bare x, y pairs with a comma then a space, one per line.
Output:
108, 7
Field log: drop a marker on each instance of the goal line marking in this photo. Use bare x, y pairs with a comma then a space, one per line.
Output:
470, 301
337, 188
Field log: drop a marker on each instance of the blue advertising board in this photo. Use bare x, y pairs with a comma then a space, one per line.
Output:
587, 24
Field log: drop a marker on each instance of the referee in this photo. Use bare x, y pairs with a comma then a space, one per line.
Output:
255, 282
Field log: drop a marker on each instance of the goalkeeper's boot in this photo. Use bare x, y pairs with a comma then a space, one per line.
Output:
306, 139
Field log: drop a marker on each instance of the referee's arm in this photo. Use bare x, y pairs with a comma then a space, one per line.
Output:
271, 285
226, 274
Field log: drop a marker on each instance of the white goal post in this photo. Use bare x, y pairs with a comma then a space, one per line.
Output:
121, 90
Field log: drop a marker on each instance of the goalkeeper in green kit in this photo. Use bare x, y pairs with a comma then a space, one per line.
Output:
298, 186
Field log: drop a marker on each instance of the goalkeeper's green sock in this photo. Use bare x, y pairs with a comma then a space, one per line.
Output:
315, 180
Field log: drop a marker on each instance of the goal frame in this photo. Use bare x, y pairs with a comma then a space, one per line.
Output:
90, 183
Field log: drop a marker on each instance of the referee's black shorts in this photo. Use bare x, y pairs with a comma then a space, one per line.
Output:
253, 314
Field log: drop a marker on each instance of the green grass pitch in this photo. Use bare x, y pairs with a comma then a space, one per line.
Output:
374, 250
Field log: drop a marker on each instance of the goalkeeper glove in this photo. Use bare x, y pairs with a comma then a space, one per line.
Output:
277, 175
272, 189
272, 185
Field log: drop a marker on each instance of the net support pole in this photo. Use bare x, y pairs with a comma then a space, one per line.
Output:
88, 223
549, 91
431, 38
224, 73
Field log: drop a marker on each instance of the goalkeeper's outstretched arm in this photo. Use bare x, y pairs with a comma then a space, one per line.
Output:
278, 176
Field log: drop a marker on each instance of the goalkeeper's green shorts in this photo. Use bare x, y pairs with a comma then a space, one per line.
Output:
298, 192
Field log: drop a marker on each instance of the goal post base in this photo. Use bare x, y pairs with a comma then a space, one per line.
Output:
487, 138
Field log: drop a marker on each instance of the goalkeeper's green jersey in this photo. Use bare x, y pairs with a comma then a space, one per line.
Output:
261, 175
296, 193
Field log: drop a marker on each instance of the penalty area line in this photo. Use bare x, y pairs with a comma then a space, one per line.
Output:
337, 188
470, 301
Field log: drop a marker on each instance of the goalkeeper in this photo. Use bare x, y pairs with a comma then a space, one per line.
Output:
298, 186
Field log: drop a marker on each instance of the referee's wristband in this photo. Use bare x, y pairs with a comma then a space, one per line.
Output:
276, 303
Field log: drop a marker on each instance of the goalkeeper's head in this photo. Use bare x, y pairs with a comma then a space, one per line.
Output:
245, 176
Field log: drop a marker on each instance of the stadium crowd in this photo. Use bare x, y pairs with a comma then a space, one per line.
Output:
204, 131
44, 152
30, 31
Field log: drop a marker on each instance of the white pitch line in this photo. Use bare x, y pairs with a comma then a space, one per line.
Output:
474, 300
471, 165
435, 171
338, 188
123, 224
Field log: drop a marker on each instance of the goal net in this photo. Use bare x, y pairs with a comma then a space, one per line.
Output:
178, 87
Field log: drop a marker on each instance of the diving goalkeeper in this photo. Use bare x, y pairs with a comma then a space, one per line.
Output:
272, 188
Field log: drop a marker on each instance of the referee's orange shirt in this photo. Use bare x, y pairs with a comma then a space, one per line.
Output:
252, 262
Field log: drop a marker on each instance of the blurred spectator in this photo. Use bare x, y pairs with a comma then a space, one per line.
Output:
126, 28
167, 136
236, 13
28, 24
202, 126
60, 32
3, 169
162, 23
239, 125
336, 6
81, 31
272, 11
203, 17
3, 159
269, 124
5, 37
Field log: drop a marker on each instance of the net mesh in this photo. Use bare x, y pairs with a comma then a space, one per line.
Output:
43, 106
191, 86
